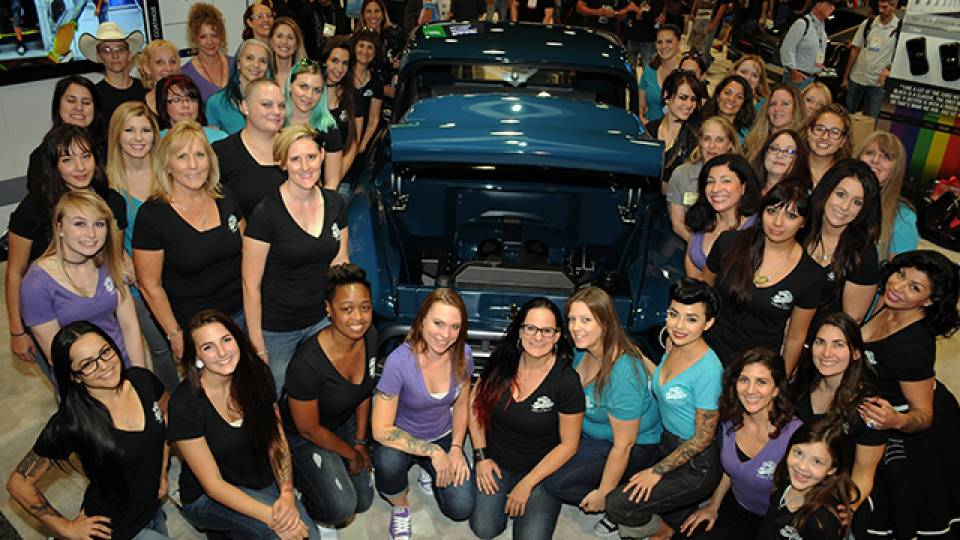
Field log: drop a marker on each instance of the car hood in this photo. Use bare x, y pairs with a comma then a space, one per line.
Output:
545, 131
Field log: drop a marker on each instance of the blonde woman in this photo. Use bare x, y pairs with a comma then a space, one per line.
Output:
286, 40
885, 154
783, 110
206, 32
187, 238
815, 96
81, 276
156, 61
751, 68
131, 148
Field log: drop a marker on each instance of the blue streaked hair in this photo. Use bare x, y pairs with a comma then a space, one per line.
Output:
320, 117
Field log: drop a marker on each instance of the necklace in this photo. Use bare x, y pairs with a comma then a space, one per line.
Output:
760, 279
68, 261
185, 214
206, 74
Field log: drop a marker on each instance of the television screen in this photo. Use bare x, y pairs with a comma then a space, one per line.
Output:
39, 38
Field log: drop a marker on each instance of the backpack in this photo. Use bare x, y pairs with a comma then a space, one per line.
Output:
866, 29
776, 54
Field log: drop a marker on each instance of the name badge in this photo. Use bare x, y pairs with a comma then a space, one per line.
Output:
531, 4
820, 59
874, 45
689, 197
329, 30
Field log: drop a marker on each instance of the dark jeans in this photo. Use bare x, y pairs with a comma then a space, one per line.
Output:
537, 522
329, 493
733, 523
871, 96
156, 529
583, 472
676, 495
164, 365
456, 502
206, 514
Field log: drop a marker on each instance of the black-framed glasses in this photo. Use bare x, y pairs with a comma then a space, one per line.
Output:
531, 330
176, 100
92, 365
821, 130
774, 149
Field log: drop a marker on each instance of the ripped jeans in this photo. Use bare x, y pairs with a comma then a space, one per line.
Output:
329, 493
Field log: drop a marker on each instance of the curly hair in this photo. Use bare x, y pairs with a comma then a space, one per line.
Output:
731, 406
941, 315
702, 217
203, 13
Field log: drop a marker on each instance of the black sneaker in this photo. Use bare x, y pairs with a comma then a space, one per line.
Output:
605, 528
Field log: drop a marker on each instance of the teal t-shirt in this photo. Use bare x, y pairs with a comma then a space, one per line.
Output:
698, 387
213, 134
905, 236
626, 397
653, 93
223, 114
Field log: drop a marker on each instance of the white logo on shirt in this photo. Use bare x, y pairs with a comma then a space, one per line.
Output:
675, 393
233, 223
782, 299
335, 232
372, 365
765, 470
870, 358
831, 276
790, 533
368, 93
588, 399
157, 413
542, 404
109, 285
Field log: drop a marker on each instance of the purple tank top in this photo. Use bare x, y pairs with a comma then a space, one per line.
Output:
697, 255
752, 480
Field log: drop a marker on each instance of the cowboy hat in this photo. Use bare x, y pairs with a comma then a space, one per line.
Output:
109, 31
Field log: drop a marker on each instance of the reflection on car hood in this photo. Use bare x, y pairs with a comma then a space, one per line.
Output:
499, 129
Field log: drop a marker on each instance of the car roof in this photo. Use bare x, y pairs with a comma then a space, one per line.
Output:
516, 43
503, 129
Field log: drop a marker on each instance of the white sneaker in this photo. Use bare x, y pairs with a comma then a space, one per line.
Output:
425, 482
327, 533
400, 523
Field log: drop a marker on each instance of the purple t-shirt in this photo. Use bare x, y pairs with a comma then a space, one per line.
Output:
42, 300
752, 480
418, 413
206, 87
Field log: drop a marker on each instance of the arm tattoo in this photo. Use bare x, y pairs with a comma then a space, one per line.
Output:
30, 463
409, 443
39, 507
385, 397
706, 426
281, 463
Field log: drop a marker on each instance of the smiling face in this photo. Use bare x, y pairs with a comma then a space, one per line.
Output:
264, 108
831, 352
584, 328
136, 139
284, 41
365, 52
260, 21
781, 223
253, 63
844, 204
351, 310
683, 103
114, 55
76, 167
668, 46
189, 165
714, 141
908, 288
750, 71
441, 327
686, 323
780, 155
83, 233
306, 90
337, 65
76, 106
209, 40
730, 99
780, 109
372, 16
95, 364
303, 163
181, 105
724, 188
216, 348
162, 63
813, 99
808, 464
756, 388
826, 135
539, 345
880, 162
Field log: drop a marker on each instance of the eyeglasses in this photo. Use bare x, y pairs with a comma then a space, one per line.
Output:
92, 365
774, 149
834, 133
110, 49
531, 330
176, 100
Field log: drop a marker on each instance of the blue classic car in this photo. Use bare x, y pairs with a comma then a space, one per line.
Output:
515, 168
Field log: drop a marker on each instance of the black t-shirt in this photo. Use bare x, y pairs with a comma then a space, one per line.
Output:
313, 16
778, 523
365, 94
865, 272
31, 223
111, 98
521, 433
332, 140
249, 181
642, 28
761, 323
602, 23
908, 355
193, 416
200, 269
536, 13
857, 431
294, 276
311, 376
141, 463
746, 10
342, 117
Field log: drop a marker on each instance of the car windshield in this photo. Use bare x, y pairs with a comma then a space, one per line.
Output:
441, 80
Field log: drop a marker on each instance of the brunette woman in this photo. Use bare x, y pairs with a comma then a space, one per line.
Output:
621, 424
677, 128
257, 21
113, 420
237, 476
687, 384
525, 422
292, 239
254, 60
69, 162
753, 70
733, 100
842, 235
828, 137
766, 280
286, 41
783, 154
368, 96
338, 57
782, 111
306, 99
727, 200
919, 473
420, 413
157, 60
886, 156
654, 74
327, 403
211, 67
812, 487
187, 238
375, 17
717, 136
179, 99
247, 166
756, 422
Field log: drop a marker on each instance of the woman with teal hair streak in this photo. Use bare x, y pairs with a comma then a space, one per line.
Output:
306, 97
254, 60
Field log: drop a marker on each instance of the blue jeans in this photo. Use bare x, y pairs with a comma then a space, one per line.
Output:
205, 514
282, 345
163, 363
582, 474
502, 7
539, 518
156, 529
330, 494
455, 502
871, 96
642, 51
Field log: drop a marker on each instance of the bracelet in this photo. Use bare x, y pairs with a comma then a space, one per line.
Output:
455, 445
262, 353
14, 334
175, 333
479, 454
